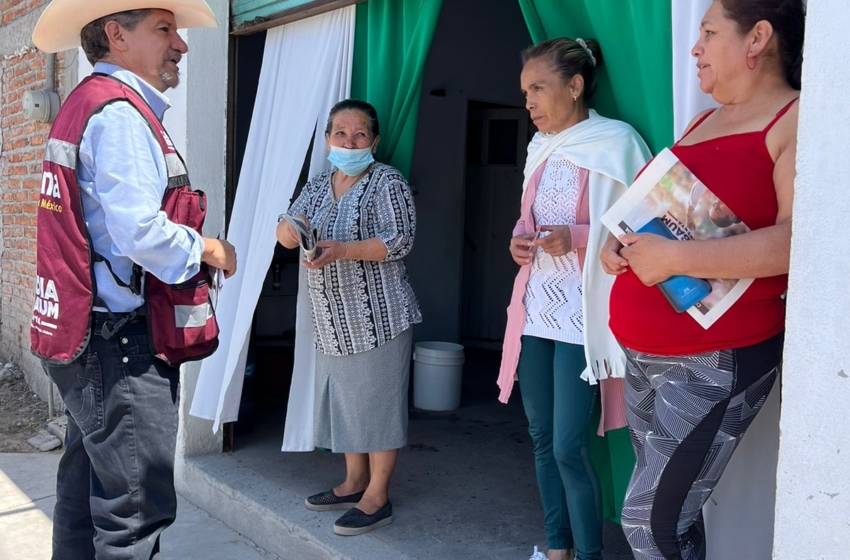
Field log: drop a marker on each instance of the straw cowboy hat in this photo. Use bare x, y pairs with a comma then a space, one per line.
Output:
60, 24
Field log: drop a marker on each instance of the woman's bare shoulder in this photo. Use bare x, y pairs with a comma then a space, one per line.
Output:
787, 123
698, 117
783, 135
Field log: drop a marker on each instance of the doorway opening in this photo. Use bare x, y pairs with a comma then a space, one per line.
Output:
271, 346
470, 208
496, 140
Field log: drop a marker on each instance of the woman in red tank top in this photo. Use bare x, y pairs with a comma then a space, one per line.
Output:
691, 392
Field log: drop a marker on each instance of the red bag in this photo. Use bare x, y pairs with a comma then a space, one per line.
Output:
181, 318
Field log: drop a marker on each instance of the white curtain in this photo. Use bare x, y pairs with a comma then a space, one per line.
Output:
306, 69
739, 516
688, 99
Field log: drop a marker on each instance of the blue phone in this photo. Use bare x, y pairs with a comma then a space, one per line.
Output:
683, 292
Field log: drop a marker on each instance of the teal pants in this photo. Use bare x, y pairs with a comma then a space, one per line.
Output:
559, 406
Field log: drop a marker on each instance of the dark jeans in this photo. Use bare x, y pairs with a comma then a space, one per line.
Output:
115, 486
559, 405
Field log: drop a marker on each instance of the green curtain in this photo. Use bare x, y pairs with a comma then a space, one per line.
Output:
636, 79
392, 39
614, 460
635, 85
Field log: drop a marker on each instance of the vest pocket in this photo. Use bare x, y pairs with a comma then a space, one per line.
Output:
186, 207
182, 319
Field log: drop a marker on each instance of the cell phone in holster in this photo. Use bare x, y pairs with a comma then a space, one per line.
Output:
683, 292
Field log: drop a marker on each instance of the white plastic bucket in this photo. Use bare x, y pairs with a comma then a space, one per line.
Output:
437, 375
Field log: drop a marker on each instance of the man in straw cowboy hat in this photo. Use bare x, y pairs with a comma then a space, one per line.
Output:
116, 218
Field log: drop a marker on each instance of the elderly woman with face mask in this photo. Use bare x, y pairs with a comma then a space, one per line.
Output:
363, 310
691, 392
557, 341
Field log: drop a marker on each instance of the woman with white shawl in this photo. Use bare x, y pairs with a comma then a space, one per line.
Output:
557, 342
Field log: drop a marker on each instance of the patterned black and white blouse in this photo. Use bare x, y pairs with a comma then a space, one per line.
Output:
360, 305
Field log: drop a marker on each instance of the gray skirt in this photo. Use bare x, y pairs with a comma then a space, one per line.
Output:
361, 399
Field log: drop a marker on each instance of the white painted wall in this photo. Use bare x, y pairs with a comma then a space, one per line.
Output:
205, 123
813, 486
739, 515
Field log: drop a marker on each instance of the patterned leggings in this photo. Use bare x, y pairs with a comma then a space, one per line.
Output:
686, 416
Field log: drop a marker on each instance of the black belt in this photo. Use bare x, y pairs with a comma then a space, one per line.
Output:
111, 323
131, 316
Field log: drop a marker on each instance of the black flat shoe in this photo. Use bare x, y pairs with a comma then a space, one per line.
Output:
326, 501
356, 522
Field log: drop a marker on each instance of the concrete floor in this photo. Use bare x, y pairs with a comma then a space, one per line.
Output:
464, 488
28, 494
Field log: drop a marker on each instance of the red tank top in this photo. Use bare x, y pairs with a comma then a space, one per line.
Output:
739, 169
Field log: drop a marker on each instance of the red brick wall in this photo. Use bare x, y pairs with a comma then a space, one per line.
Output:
13, 9
21, 153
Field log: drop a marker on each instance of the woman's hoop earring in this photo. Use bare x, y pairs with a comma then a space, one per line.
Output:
755, 62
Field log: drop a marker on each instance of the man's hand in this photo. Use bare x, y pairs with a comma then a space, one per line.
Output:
558, 243
522, 249
219, 253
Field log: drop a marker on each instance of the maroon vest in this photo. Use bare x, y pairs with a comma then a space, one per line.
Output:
181, 320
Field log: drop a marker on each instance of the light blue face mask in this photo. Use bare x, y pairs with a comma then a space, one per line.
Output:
351, 162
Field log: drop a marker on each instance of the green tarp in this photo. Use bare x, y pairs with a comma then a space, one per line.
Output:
392, 39
636, 79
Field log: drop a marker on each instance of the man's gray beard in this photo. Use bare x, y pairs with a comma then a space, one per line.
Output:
169, 79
